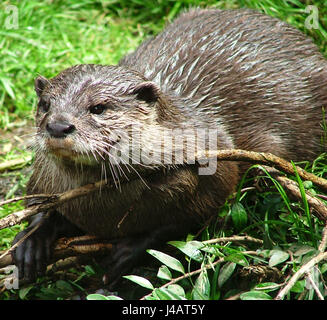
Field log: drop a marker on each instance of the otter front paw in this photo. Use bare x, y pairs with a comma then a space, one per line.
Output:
34, 253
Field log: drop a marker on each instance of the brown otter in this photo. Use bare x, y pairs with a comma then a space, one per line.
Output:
254, 81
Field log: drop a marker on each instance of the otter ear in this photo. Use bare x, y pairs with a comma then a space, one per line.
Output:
39, 84
147, 91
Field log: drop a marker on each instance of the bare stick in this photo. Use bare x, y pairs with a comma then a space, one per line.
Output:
264, 159
314, 286
7, 252
44, 197
233, 238
53, 202
291, 187
323, 243
303, 270
230, 155
70, 247
235, 155
322, 196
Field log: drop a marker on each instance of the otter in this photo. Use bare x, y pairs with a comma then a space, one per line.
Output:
238, 78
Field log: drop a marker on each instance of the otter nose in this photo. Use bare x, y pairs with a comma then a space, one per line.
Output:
60, 129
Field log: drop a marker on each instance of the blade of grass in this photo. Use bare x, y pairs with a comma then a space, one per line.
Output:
305, 204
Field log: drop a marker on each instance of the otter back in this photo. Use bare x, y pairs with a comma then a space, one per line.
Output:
262, 79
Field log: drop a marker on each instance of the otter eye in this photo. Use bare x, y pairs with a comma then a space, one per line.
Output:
44, 106
98, 109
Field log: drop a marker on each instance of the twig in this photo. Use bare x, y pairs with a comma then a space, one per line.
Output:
236, 296
31, 196
233, 238
314, 286
229, 155
7, 252
264, 159
69, 247
323, 243
55, 201
192, 273
303, 270
291, 187
187, 275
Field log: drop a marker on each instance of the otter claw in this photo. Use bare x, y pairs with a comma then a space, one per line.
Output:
33, 254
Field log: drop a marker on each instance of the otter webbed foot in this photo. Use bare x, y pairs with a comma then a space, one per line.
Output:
33, 254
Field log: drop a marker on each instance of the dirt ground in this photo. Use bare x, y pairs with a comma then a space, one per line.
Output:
14, 143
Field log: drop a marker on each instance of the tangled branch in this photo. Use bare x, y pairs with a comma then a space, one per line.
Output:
91, 246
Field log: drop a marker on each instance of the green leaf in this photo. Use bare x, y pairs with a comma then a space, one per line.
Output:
309, 255
164, 273
89, 270
323, 268
140, 281
303, 249
298, 286
24, 291
191, 248
97, 296
64, 286
237, 258
307, 184
278, 257
255, 295
176, 289
225, 273
7, 84
166, 294
201, 290
267, 286
239, 216
167, 260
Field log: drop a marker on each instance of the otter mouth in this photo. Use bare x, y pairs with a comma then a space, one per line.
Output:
62, 149
65, 150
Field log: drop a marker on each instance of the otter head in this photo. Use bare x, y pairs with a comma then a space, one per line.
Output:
87, 112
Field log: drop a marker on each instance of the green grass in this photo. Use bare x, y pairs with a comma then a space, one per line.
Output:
53, 35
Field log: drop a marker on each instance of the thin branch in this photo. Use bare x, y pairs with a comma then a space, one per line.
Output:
264, 159
323, 243
291, 187
69, 247
53, 202
44, 197
5, 254
232, 239
314, 286
303, 270
322, 196
229, 155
